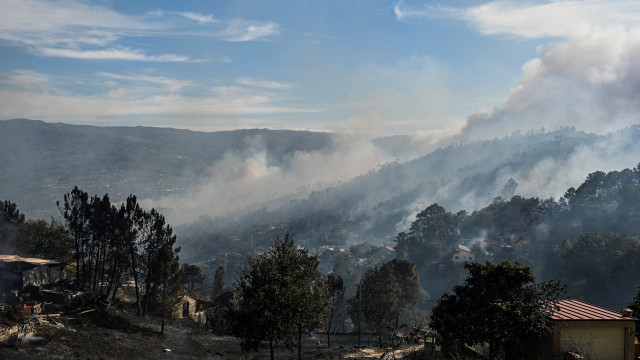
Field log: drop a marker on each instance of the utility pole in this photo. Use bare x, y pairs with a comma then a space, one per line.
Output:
359, 288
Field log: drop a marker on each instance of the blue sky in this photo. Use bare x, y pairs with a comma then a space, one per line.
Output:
424, 68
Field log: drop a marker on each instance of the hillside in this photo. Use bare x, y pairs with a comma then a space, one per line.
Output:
376, 206
41, 161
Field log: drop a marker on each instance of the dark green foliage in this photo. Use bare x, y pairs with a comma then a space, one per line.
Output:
406, 276
598, 265
194, 281
32, 238
278, 295
41, 239
430, 235
498, 304
335, 297
635, 306
382, 294
218, 282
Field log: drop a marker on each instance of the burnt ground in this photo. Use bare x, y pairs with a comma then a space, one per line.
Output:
119, 334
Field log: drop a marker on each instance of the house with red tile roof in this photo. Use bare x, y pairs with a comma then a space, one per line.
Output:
586, 330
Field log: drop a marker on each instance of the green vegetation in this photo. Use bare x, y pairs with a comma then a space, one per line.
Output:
382, 294
280, 294
498, 304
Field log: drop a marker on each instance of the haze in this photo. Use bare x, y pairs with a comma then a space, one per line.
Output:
441, 73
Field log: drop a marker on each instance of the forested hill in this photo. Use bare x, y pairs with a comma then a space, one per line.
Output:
41, 161
376, 206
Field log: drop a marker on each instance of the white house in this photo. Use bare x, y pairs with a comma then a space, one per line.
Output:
462, 254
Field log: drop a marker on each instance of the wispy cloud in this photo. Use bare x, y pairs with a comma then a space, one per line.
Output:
30, 94
80, 30
165, 83
25, 80
200, 18
532, 20
112, 54
404, 12
246, 30
276, 85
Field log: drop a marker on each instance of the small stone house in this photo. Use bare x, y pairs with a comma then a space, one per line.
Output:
185, 307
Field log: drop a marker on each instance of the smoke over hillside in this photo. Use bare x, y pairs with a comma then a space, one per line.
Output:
589, 82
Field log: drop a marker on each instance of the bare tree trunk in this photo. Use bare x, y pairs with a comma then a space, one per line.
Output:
134, 272
271, 348
299, 341
164, 290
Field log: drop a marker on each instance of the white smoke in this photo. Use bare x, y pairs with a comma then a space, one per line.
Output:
590, 81
240, 180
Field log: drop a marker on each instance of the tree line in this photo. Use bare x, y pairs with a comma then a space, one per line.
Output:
106, 244
280, 294
588, 238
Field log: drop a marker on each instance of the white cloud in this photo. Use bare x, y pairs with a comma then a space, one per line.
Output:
79, 30
246, 30
404, 12
200, 18
112, 54
25, 80
532, 20
276, 85
33, 95
165, 83
553, 19
589, 79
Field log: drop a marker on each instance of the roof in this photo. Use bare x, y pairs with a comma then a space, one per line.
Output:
32, 261
463, 248
578, 310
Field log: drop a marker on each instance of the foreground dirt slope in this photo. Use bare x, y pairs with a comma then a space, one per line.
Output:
119, 334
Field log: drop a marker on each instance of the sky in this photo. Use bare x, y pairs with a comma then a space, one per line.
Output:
433, 70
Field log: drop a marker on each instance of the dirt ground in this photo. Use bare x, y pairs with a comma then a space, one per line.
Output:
119, 334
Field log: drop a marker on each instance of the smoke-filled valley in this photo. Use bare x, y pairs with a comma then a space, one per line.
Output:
230, 194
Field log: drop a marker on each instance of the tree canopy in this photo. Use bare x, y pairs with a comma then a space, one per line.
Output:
498, 304
383, 293
277, 296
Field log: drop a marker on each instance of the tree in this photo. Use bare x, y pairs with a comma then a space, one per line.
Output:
167, 269
11, 221
498, 304
218, 282
46, 240
635, 306
193, 280
335, 296
377, 300
75, 211
406, 276
280, 293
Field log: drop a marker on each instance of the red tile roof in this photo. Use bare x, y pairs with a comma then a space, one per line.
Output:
578, 310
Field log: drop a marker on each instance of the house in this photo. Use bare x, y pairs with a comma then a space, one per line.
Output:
185, 307
586, 330
17, 272
521, 246
461, 254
